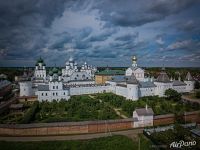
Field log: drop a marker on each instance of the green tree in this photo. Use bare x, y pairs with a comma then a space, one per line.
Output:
196, 85
172, 95
197, 94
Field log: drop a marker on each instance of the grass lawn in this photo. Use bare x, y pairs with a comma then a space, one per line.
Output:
116, 142
160, 105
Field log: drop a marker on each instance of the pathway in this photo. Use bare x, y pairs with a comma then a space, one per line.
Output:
133, 134
115, 109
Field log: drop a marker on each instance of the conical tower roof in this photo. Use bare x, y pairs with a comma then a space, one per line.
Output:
163, 77
132, 80
189, 77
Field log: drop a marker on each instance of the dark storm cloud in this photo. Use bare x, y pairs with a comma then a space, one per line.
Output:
112, 29
135, 13
102, 36
24, 25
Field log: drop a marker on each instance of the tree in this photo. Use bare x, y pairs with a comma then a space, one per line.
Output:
172, 95
197, 94
196, 85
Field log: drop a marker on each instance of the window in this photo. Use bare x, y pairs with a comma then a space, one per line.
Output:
56, 93
53, 94
64, 93
57, 87
46, 94
53, 87
42, 94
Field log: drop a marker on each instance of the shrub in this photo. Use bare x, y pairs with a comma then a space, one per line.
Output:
173, 95
30, 113
197, 94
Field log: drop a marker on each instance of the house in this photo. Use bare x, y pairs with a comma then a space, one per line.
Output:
143, 117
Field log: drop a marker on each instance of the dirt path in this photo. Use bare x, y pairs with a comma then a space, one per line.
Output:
115, 109
133, 134
119, 113
190, 99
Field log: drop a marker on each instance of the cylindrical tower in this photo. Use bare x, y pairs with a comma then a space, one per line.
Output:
132, 91
134, 61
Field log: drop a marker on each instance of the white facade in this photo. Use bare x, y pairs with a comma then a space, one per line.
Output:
71, 71
61, 85
138, 72
143, 117
40, 70
26, 88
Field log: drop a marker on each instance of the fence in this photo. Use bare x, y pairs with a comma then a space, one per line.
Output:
64, 128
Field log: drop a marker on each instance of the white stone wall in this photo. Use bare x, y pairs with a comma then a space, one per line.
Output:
53, 95
88, 90
180, 89
147, 91
132, 91
189, 86
161, 88
26, 88
122, 91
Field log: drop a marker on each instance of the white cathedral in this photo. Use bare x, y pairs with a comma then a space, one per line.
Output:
61, 84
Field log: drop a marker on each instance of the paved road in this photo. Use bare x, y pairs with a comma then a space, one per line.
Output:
133, 134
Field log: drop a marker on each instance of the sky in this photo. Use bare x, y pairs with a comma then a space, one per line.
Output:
101, 32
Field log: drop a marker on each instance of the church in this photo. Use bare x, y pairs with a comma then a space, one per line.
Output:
74, 80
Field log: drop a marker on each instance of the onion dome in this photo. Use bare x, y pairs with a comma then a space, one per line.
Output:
50, 73
71, 59
40, 60
59, 73
132, 80
55, 70
189, 77
134, 58
67, 63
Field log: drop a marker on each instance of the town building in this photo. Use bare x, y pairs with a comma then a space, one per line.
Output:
143, 117
105, 75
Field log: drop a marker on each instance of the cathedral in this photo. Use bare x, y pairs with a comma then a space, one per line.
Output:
74, 80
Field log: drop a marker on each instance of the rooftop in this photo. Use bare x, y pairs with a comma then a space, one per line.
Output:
163, 77
144, 112
178, 83
111, 72
132, 80
146, 84
189, 77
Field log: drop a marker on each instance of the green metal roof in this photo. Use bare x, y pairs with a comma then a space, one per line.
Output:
111, 72
40, 60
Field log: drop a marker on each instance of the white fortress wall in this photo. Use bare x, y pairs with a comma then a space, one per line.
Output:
88, 90
147, 91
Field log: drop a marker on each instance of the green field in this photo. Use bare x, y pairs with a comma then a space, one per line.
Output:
116, 142
160, 105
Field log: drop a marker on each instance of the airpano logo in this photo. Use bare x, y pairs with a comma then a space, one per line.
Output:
182, 144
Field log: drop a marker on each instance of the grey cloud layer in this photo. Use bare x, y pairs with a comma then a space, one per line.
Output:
26, 29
